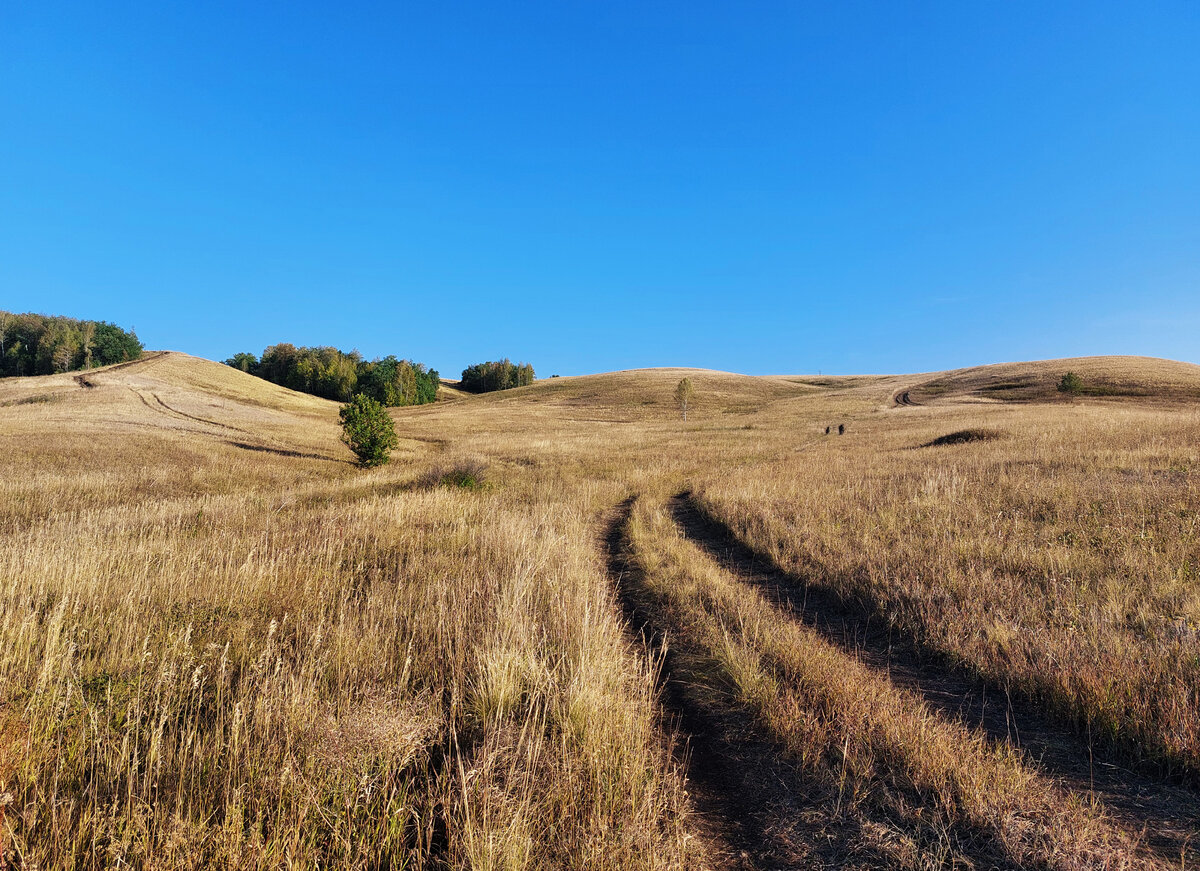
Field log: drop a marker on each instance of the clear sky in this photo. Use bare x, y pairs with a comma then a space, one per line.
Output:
752, 186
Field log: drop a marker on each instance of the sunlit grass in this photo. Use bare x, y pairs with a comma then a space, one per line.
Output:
223, 646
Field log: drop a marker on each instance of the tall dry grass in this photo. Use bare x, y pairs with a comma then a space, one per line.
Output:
421, 679
950, 798
1060, 562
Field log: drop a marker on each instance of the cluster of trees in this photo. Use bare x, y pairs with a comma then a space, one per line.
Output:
337, 375
496, 375
33, 344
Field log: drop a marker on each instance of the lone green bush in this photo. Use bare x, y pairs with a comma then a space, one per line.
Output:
368, 430
1071, 383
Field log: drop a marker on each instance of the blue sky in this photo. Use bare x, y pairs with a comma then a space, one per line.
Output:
760, 187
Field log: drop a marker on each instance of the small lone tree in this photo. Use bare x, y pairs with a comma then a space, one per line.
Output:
684, 393
368, 430
1071, 383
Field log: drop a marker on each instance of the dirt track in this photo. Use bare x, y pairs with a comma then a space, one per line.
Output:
754, 809
729, 816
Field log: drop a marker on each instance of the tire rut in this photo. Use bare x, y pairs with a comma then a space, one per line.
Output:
203, 420
1167, 816
251, 445
729, 816
83, 380
755, 811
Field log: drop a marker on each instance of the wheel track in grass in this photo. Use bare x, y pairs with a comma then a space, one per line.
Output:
86, 382
729, 817
754, 810
1167, 815
249, 440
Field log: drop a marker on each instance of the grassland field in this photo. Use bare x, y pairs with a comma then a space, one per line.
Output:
566, 629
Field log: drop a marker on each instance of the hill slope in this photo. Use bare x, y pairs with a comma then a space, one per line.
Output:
164, 426
1108, 377
169, 392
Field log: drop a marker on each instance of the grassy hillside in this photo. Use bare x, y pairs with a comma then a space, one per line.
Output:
164, 426
1104, 377
566, 629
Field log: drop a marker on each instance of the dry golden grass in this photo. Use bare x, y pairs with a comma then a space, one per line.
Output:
1060, 562
1113, 377
949, 796
221, 645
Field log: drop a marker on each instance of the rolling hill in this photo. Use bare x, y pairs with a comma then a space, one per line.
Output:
565, 628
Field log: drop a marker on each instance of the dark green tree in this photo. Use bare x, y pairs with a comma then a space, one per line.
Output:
245, 361
427, 383
368, 430
1071, 383
111, 344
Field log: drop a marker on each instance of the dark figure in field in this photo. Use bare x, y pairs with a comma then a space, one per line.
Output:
826, 430
841, 429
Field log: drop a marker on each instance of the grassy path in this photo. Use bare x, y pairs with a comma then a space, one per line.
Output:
754, 808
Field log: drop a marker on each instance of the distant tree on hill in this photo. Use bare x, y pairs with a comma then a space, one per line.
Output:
1071, 383
496, 375
112, 344
245, 362
428, 382
338, 375
398, 382
684, 394
33, 344
368, 430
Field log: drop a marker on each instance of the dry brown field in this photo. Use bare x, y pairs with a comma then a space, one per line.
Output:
965, 634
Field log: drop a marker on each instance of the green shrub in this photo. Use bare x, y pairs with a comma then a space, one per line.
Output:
464, 474
1071, 383
368, 430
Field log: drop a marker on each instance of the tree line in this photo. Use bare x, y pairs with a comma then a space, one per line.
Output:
496, 375
33, 344
338, 375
